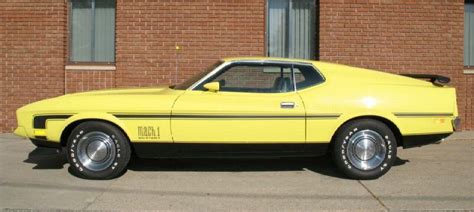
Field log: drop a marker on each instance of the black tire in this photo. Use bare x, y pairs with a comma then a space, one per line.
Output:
346, 142
108, 137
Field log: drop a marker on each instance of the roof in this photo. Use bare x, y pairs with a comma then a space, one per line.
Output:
233, 59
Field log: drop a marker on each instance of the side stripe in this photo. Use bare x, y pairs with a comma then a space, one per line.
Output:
422, 114
195, 116
39, 122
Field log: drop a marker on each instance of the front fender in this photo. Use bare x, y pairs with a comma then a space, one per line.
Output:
57, 131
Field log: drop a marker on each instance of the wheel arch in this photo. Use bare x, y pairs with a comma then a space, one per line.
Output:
74, 121
390, 124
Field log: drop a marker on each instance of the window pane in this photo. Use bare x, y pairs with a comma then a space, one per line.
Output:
469, 34
306, 76
256, 79
104, 30
81, 27
302, 25
93, 31
291, 28
277, 28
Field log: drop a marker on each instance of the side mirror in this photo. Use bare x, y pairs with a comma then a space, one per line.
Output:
212, 86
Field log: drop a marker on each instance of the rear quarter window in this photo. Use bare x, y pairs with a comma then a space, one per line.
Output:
306, 76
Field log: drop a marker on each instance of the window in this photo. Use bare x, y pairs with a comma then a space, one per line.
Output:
469, 33
264, 78
291, 28
254, 78
186, 84
306, 76
92, 26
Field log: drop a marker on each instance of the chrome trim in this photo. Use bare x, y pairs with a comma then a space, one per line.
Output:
96, 151
287, 105
456, 122
366, 149
293, 76
210, 74
282, 62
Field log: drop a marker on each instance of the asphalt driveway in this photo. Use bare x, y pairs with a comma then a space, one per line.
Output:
439, 176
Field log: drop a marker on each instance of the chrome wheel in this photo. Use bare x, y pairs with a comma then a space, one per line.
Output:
366, 149
96, 151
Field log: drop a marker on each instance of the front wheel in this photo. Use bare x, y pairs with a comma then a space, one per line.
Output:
364, 149
97, 150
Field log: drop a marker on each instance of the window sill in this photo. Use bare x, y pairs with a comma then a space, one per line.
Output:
90, 67
468, 71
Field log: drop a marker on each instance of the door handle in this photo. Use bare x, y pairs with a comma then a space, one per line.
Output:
287, 105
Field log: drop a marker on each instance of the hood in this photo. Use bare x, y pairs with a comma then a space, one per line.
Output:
121, 91
112, 100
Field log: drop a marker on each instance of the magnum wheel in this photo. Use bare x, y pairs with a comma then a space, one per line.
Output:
98, 150
364, 149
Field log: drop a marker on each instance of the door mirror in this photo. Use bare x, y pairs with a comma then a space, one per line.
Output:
212, 86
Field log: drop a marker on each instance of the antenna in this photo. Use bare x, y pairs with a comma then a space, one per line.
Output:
177, 59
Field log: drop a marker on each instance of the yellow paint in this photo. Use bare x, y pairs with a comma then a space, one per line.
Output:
40, 132
348, 92
238, 130
212, 86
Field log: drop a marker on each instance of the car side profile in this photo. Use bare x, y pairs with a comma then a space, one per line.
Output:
249, 107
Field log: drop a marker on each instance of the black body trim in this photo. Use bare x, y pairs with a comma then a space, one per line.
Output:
220, 150
192, 116
39, 122
322, 116
421, 140
422, 114
435, 79
234, 117
45, 143
142, 115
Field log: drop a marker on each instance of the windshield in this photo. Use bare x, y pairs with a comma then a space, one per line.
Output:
186, 84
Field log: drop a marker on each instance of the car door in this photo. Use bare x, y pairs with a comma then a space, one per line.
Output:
256, 103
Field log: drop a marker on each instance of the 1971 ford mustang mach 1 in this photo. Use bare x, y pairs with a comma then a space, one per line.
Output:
249, 107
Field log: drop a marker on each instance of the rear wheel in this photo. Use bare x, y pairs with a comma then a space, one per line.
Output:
98, 150
364, 149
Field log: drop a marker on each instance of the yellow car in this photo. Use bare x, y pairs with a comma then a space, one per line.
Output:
249, 107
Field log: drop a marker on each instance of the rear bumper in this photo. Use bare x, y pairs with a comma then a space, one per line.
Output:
456, 122
421, 140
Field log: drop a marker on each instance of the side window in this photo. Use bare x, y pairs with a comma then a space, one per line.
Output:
254, 79
306, 76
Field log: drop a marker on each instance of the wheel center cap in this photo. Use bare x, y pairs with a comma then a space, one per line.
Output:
97, 150
365, 149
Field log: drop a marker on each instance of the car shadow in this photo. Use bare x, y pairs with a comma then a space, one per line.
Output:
45, 158
322, 165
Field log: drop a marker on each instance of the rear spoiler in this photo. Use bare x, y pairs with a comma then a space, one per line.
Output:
435, 79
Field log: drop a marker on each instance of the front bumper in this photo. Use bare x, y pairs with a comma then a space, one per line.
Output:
45, 143
20, 131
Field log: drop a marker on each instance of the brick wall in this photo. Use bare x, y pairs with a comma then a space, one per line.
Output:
147, 33
404, 36
86, 80
32, 39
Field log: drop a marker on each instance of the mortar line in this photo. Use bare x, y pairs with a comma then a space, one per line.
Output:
373, 195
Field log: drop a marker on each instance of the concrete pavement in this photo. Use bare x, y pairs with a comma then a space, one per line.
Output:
438, 176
